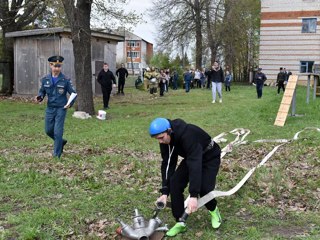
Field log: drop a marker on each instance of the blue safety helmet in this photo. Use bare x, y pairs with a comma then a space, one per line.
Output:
159, 125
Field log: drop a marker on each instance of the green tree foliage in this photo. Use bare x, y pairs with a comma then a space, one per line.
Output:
241, 36
15, 15
52, 16
79, 15
111, 14
177, 62
228, 30
160, 60
181, 23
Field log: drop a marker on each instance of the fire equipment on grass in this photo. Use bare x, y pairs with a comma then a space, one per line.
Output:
142, 229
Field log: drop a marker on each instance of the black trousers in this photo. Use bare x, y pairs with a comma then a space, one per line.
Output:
180, 180
280, 85
121, 86
106, 96
259, 87
208, 84
162, 88
153, 89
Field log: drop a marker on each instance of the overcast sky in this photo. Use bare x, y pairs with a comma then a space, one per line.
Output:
147, 30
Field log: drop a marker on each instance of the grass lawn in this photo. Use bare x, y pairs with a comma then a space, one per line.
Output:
111, 167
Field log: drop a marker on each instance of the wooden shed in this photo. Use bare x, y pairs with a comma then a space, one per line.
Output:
33, 47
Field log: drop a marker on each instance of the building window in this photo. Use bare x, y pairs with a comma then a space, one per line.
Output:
135, 65
309, 25
306, 66
133, 44
133, 54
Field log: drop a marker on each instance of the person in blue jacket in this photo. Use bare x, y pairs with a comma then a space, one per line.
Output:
259, 80
187, 77
56, 86
227, 81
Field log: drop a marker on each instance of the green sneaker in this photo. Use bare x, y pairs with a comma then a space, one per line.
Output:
215, 218
180, 227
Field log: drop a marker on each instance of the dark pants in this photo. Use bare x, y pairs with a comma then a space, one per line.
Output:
180, 180
54, 124
280, 85
198, 83
162, 88
187, 85
106, 96
121, 86
153, 89
228, 88
175, 84
208, 83
259, 87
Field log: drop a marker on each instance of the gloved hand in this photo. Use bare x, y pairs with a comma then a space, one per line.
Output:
39, 99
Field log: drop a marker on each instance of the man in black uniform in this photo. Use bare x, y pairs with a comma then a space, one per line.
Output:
259, 80
107, 81
281, 78
199, 168
122, 74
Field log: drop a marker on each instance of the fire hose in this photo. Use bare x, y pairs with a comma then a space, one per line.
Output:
142, 230
241, 135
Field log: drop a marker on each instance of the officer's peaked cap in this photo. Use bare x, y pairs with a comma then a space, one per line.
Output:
55, 59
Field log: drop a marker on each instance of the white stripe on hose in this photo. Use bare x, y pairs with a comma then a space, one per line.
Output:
215, 193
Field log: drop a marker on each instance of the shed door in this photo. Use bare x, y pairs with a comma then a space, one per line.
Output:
98, 65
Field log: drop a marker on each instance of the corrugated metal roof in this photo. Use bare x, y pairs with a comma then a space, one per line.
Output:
46, 31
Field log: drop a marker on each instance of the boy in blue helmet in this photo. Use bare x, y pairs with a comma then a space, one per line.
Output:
199, 168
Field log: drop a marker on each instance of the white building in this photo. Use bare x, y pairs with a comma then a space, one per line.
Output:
289, 37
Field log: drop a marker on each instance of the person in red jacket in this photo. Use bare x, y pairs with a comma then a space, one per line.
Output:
199, 168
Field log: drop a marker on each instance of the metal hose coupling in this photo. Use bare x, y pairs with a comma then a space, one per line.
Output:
141, 229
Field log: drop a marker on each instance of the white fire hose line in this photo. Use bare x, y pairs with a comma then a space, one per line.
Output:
244, 133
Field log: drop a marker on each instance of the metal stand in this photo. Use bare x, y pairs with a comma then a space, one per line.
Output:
315, 81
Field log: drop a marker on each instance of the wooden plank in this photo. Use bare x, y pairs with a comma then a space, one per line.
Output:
286, 101
284, 108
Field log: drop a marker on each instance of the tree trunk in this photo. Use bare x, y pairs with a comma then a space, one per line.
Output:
198, 34
79, 20
7, 50
228, 32
211, 42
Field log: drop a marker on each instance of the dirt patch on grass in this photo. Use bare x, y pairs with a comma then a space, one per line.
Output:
290, 231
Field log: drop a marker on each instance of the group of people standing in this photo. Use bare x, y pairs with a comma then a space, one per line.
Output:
214, 77
107, 81
154, 80
282, 79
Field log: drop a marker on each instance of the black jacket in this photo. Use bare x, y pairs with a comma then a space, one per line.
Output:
106, 79
122, 73
216, 75
260, 78
189, 142
281, 77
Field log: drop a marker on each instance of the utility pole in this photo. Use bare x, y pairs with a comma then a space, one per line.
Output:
131, 57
